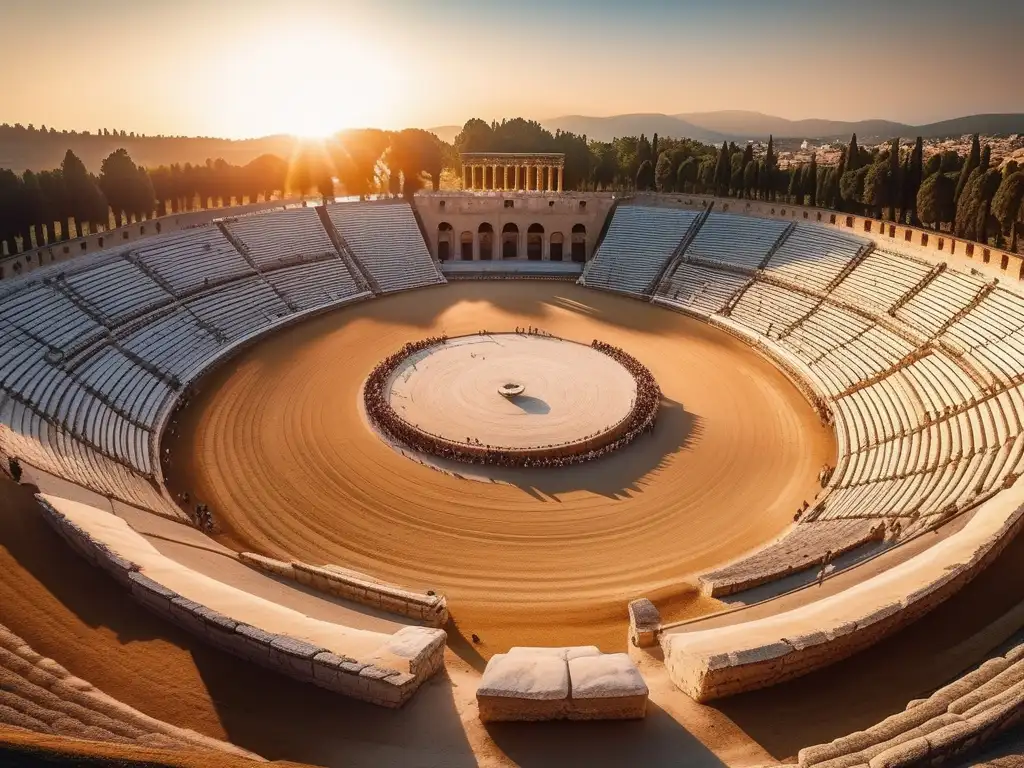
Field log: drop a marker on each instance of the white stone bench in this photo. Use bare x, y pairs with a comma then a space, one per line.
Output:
575, 683
381, 667
747, 655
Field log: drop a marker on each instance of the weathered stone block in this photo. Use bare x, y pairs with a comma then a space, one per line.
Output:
523, 687
151, 594
606, 687
644, 623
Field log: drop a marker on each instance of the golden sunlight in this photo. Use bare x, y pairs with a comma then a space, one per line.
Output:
307, 83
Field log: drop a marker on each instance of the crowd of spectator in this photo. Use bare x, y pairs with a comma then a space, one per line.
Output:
640, 420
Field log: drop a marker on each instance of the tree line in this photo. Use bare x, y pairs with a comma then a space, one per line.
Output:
966, 196
38, 208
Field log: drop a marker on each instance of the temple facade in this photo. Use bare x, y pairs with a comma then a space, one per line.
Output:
513, 171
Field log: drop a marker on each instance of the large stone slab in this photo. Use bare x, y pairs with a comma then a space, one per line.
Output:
606, 687
575, 683
524, 686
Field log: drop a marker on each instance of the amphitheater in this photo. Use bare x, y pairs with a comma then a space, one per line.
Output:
214, 557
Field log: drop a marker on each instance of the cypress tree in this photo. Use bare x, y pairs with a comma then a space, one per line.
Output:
835, 196
811, 184
768, 171
973, 161
795, 180
723, 170
912, 180
654, 146
853, 154
894, 177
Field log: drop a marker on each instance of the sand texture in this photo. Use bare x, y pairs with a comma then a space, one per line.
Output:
277, 447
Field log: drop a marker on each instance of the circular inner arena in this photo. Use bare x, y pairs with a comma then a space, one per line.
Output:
276, 442
466, 399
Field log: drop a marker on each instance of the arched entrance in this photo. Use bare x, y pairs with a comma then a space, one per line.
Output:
557, 241
579, 243
445, 235
466, 246
535, 242
486, 237
510, 241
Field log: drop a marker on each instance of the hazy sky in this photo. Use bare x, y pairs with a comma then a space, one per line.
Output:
252, 67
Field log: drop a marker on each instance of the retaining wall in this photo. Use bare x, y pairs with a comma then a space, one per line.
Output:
388, 677
749, 655
17, 264
360, 588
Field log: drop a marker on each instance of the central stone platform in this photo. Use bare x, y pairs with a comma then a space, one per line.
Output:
514, 392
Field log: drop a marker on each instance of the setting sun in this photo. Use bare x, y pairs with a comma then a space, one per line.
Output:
312, 84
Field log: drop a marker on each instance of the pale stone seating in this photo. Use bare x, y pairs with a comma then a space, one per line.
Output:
747, 655
381, 667
386, 240
952, 722
740, 241
315, 285
639, 242
273, 238
802, 548
117, 290
700, 289
575, 683
188, 260
431, 609
880, 279
812, 256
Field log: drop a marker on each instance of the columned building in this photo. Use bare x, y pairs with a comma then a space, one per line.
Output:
513, 171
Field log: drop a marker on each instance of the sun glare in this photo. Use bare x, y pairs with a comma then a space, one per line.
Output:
314, 85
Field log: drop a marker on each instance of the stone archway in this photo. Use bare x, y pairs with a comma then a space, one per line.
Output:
510, 241
445, 238
535, 242
579, 243
485, 235
466, 246
556, 245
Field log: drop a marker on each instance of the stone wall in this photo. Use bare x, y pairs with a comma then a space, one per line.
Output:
19, 264
746, 656
420, 651
556, 213
429, 608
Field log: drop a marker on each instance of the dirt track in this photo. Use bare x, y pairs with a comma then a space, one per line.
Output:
275, 445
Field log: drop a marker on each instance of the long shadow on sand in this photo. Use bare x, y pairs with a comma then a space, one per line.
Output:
655, 740
282, 719
530, 405
619, 474
270, 714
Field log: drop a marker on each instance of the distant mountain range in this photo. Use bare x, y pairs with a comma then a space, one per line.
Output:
740, 125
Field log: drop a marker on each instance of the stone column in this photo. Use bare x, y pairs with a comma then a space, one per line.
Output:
504, 177
515, 177
551, 178
465, 177
494, 177
561, 173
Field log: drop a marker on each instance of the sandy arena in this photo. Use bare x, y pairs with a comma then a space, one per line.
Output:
275, 444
